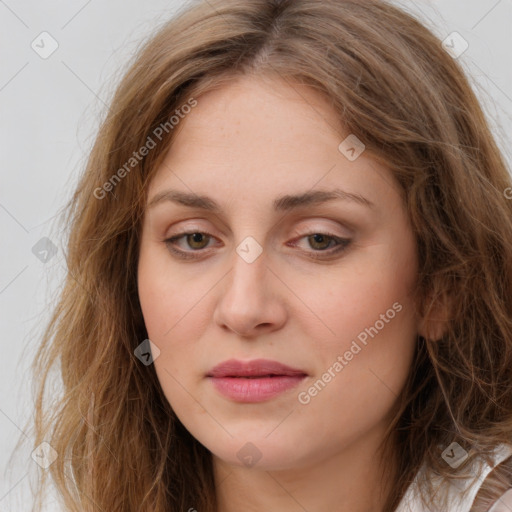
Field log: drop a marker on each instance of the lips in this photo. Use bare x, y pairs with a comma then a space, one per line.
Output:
257, 368
254, 381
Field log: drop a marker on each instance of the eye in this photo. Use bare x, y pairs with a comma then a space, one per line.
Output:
324, 244
196, 240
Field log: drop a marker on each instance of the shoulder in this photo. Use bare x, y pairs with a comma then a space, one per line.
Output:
459, 495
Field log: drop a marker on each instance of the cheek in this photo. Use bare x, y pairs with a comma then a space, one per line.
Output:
355, 296
167, 307
360, 373
175, 311
366, 316
168, 299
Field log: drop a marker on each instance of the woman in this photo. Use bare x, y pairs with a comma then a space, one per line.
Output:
290, 275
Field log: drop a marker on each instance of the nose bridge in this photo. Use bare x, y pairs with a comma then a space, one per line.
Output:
250, 251
249, 258
249, 266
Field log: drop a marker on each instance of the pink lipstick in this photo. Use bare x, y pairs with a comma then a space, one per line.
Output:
254, 381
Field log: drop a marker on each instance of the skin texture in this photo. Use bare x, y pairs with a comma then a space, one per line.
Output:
245, 145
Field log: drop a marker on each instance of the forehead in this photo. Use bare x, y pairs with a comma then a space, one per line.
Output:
265, 137
260, 114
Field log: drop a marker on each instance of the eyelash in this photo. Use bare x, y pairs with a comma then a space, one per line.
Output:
342, 244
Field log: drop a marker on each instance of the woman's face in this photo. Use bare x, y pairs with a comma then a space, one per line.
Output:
276, 271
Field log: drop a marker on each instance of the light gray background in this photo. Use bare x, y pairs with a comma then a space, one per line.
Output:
50, 110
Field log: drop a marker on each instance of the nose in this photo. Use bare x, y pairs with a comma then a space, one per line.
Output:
251, 301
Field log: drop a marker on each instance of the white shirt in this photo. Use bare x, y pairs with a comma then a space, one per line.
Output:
460, 493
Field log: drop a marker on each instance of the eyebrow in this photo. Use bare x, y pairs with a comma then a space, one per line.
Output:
284, 203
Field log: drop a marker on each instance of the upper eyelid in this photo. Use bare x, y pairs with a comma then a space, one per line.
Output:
309, 232
348, 226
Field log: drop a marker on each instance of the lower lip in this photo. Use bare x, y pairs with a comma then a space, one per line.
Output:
246, 390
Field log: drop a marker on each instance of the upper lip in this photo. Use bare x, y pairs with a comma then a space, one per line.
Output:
253, 368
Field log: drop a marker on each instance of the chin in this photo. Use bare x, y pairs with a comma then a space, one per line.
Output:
259, 454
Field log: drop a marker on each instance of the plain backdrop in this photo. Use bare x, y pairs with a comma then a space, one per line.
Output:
49, 112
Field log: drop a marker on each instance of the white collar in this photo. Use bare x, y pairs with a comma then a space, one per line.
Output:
460, 493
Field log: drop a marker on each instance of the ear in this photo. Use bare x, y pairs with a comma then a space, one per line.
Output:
434, 323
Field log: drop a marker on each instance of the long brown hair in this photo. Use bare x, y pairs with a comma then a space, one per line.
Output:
119, 444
